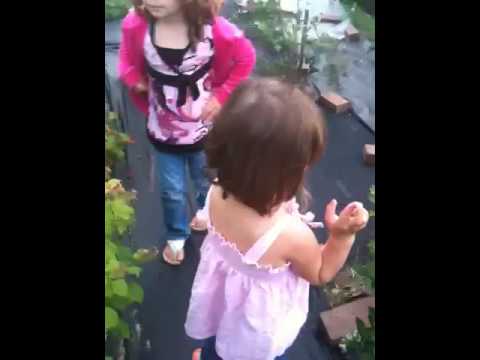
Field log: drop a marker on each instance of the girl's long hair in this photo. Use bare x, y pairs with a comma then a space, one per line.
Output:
197, 13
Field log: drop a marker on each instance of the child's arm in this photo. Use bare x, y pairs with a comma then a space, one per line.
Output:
244, 58
128, 73
318, 264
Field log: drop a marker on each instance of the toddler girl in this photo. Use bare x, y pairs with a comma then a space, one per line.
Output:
250, 294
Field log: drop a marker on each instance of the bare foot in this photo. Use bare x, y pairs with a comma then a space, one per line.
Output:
198, 224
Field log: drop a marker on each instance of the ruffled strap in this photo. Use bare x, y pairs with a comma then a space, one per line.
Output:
261, 246
293, 208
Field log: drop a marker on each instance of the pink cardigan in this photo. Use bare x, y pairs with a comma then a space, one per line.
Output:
233, 61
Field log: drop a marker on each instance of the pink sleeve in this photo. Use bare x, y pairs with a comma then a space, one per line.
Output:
244, 57
128, 73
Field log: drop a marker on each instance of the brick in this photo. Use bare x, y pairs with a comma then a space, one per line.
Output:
369, 154
325, 18
352, 33
335, 102
341, 320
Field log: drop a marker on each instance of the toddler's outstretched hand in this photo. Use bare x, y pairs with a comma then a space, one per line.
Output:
316, 263
352, 219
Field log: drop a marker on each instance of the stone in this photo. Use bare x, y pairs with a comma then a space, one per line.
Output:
341, 321
335, 102
369, 154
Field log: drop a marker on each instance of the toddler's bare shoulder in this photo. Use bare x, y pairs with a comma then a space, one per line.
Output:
297, 232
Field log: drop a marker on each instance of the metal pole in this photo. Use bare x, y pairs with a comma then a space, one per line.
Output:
303, 39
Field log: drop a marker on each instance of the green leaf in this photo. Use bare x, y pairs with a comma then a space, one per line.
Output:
145, 255
120, 287
108, 290
134, 270
124, 253
111, 318
136, 292
362, 329
371, 316
123, 329
109, 250
120, 303
111, 265
122, 215
119, 271
124, 138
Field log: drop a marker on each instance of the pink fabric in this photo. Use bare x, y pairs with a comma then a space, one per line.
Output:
234, 57
181, 125
254, 311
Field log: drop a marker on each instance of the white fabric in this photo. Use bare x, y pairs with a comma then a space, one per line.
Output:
176, 245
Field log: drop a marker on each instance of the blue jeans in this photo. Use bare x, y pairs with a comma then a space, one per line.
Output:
209, 352
172, 171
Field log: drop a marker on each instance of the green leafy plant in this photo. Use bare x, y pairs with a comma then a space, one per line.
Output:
366, 272
284, 40
122, 264
362, 341
115, 142
275, 31
371, 197
115, 9
367, 5
347, 286
356, 281
363, 21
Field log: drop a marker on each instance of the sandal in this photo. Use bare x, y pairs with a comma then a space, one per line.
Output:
197, 354
173, 252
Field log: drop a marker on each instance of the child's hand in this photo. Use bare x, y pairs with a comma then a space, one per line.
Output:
140, 88
352, 219
211, 109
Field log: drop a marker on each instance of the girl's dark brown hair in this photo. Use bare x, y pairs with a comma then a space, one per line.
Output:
263, 140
